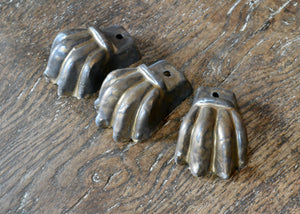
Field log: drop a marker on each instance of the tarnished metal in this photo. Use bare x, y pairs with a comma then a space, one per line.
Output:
135, 101
212, 137
81, 58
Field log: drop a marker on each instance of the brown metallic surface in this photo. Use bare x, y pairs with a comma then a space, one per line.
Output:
81, 58
212, 137
53, 157
135, 101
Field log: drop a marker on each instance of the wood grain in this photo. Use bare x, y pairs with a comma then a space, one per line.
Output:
53, 159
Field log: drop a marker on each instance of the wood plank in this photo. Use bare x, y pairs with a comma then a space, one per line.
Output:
53, 158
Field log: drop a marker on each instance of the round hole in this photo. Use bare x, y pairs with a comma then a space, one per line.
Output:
119, 36
167, 73
215, 94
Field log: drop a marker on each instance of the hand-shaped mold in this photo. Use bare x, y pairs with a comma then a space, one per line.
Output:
135, 101
81, 58
212, 136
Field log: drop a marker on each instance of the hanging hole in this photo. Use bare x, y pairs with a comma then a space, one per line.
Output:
167, 73
215, 94
119, 36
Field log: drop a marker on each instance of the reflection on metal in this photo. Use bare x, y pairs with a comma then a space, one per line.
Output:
81, 58
134, 101
212, 136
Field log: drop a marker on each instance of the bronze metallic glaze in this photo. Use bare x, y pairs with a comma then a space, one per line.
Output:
134, 101
212, 137
81, 58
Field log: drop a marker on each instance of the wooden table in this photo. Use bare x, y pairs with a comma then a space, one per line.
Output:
54, 159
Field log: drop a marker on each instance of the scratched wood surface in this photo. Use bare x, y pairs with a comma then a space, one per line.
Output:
53, 158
